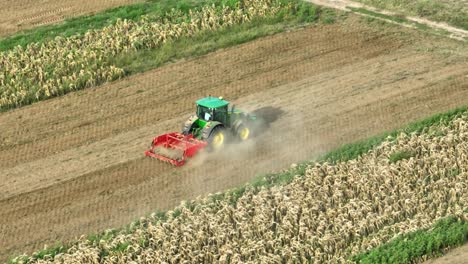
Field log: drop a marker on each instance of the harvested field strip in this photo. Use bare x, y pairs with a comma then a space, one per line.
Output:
57, 67
20, 20
331, 213
80, 25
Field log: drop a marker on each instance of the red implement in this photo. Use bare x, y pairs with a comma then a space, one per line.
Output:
175, 148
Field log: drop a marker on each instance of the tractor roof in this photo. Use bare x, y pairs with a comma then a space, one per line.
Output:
212, 102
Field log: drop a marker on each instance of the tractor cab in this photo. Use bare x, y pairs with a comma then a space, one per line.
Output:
212, 109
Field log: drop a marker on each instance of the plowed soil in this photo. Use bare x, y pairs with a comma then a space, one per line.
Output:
24, 14
74, 165
454, 256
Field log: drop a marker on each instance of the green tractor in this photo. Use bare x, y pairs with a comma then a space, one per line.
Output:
213, 125
216, 123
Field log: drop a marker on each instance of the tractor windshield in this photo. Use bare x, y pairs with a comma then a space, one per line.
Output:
205, 113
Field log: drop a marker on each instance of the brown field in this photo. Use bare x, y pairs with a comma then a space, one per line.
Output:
454, 256
74, 165
24, 14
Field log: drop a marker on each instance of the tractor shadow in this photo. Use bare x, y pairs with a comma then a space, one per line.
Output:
265, 117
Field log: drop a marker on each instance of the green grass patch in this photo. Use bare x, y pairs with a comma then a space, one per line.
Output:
51, 251
454, 172
120, 247
397, 19
446, 233
454, 13
400, 155
107, 235
281, 178
379, 15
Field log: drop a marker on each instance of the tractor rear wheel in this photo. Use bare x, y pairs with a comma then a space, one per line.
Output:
217, 138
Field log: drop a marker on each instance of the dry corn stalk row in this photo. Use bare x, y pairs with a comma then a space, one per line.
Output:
331, 213
41, 71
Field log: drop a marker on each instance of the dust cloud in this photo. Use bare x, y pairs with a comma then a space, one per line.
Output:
277, 142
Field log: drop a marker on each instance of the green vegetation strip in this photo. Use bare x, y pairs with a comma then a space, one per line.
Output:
419, 243
82, 24
396, 19
409, 248
452, 12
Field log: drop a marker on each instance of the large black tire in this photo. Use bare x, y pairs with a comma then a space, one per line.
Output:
217, 139
243, 132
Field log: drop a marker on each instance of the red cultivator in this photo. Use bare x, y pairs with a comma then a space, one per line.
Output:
175, 148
